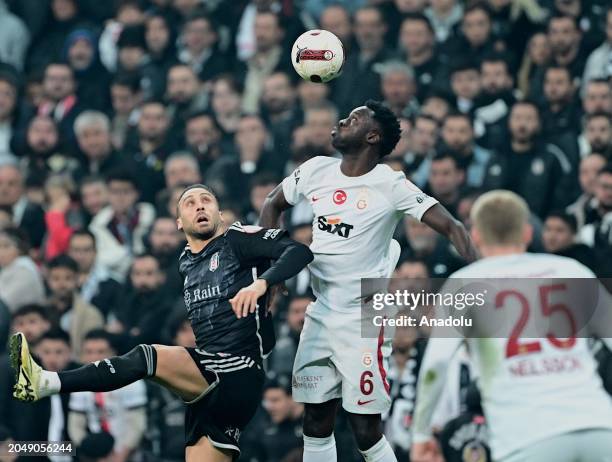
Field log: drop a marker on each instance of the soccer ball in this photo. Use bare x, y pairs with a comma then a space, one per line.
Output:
318, 56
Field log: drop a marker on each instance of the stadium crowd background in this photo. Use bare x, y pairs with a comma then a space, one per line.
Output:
108, 108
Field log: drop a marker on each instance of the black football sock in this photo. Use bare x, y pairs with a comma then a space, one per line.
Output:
111, 373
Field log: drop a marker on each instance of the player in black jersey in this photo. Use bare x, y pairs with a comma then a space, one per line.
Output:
227, 273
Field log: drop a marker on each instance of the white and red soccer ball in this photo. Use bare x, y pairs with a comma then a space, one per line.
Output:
318, 56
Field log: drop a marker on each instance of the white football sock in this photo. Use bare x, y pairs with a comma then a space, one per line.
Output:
49, 384
380, 452
320, 449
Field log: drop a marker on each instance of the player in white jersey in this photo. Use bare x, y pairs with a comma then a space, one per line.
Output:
357, 203
542, 397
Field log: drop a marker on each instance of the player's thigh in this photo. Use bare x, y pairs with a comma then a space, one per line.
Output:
362, 364
315, 379
203, 450
595, 445
177, 371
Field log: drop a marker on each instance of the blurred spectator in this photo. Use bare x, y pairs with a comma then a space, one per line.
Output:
203, 136
446, 177
8, 112
417, 39
95, 283
538, 171
423, 139
14, 38
559, 236
181, 168
476, 39
225, 103
597, 97
583, 209
20, 281
33, 321
94, 196
436, 105
125, 96
337, 19
404, 366
566, 44
166, 244
359, 80
59, 99
265, 60
536, 58
261, 186
312, 94
63, 215
47, 46
465, 84
492, 106
597, 135
132, 50
92, 78
560, 113
458, 135
145, 302
120, 412
185, 96
199, 48
279, 110
149, 152
281, 362
444, 15
67, 309
161, 40
398, 88
597, 233
279, 430
319, 122
598, 63
121, 226
424, 244
42, 153
93, 132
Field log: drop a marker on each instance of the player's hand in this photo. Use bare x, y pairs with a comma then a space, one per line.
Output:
428, 451
245, 301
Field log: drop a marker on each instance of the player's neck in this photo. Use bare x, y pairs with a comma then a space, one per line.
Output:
357, 164
197, 245
501, 250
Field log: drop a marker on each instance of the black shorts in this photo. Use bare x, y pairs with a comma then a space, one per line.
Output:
228, 405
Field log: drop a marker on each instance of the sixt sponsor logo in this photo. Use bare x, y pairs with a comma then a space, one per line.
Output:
304, 54
334, 225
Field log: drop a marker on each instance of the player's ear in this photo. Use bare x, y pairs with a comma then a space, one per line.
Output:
221, 217
179, 223
373, 137
527, 233
475, 236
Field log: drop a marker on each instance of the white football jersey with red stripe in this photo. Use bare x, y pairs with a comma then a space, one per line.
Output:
354, 221
532, 388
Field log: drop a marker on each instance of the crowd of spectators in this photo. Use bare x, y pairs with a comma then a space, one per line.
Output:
109, 108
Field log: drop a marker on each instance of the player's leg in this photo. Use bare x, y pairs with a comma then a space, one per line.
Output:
316, 384
371, 442
318, 428
172, 366
204, 450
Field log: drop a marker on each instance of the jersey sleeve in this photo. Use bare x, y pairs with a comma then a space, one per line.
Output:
408, 199
294, 184
253, 245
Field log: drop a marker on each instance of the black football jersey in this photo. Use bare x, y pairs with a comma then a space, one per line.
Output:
213, 276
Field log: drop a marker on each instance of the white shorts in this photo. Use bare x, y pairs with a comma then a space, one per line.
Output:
334, 361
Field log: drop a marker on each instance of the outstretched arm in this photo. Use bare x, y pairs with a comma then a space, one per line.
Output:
439, 219
273, 206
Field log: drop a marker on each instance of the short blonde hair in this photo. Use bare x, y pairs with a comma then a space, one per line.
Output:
500, 217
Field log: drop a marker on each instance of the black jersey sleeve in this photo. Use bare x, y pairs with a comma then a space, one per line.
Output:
256, 245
